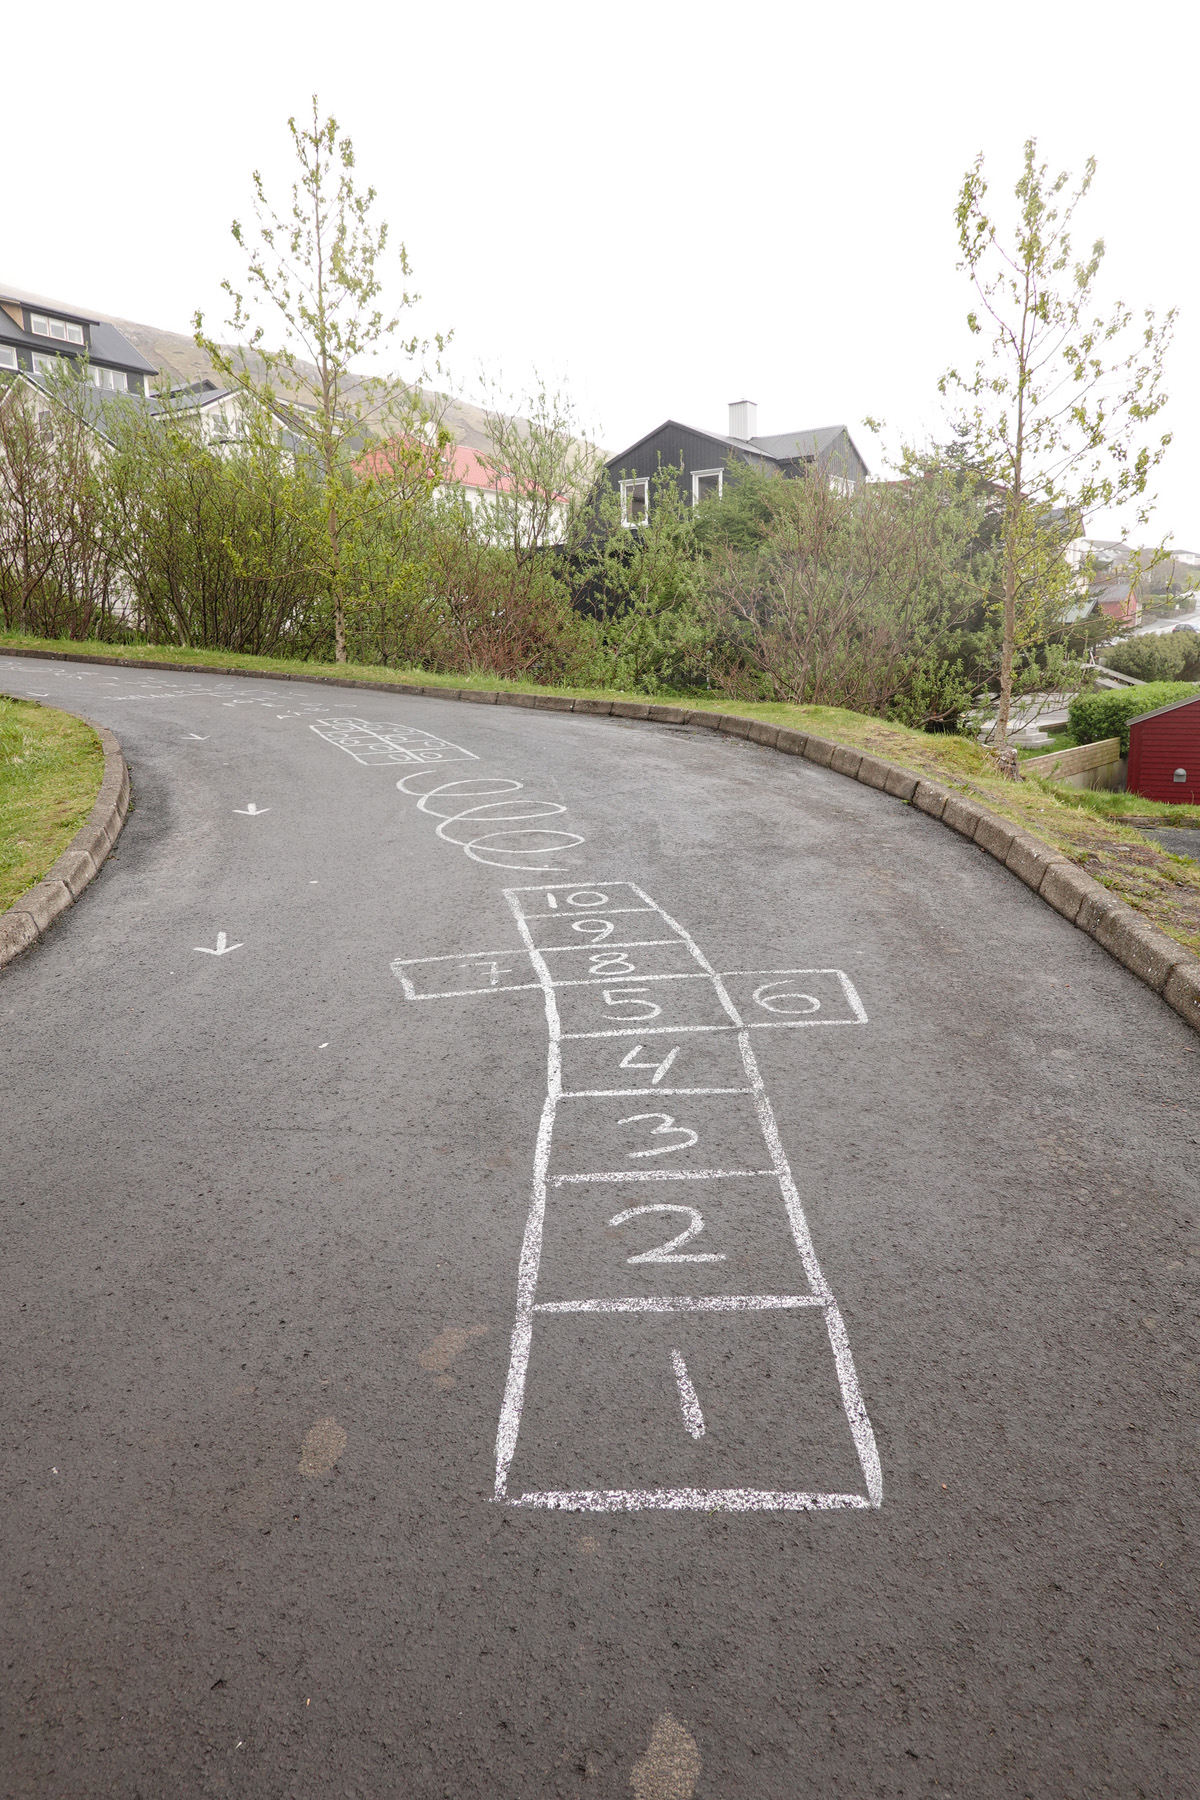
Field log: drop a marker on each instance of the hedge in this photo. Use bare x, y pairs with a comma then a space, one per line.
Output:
1106, 714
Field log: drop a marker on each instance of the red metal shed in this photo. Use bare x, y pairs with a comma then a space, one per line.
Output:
1164, 753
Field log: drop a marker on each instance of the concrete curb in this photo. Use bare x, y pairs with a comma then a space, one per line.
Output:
1156, 959
30, 916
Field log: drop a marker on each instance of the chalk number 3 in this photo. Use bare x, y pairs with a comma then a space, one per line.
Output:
668, 1128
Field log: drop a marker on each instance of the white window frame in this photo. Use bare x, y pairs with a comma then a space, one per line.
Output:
699, 475
42, 325
627, 487
8, 356
117, 382
45, 365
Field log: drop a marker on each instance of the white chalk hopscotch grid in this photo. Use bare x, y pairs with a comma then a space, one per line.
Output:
612, 994
376, 743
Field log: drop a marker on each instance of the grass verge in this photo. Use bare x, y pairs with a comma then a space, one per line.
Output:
51, 767
1086, 826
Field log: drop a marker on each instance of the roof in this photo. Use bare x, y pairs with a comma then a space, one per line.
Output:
111, 346
456, 463
192, 398
108, 346
784, 446
176, 356
94, 403
22, 297
713, 437
787, 444
1191, 700
1109, 593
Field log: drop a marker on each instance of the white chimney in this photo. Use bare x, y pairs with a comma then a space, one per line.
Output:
743, 418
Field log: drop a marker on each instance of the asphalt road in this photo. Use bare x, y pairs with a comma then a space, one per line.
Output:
835, 1435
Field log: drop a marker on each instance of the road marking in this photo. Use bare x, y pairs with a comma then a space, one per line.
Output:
622, 979
223, 947
251, 811
376, 743
494, 796
684, 1303
662, 1175
630, 1062
670, 1251
693, 1418
739, 1500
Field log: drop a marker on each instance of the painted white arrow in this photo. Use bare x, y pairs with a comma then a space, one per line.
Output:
252, 811
222, 948
195, 738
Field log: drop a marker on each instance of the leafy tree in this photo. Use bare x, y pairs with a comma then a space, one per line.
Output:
319, 269
60, 557
849, 597
642, 585
542, 468
1053, 415
220, 545
1157, 656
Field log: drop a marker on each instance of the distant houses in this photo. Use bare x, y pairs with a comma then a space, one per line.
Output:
38, 337
1122, 583
703, 459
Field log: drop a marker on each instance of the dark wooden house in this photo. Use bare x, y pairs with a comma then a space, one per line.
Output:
705, 458
1164, 753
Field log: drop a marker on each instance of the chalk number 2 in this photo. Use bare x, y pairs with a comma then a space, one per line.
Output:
672, 1251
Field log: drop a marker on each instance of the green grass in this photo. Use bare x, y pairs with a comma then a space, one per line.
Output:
1063, 740
1107, 804
51, 767
1089, 826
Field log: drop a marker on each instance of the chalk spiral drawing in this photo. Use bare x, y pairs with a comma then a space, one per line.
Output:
490, 817
653, 1003
479, 814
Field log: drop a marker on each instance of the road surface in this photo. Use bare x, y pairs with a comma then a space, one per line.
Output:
559, 1256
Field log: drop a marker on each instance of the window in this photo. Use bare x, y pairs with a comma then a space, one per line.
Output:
115, 380
707, 484
635, 502
8, 357
45, 365
66, 333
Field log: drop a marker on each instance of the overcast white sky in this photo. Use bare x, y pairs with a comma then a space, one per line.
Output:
667, 206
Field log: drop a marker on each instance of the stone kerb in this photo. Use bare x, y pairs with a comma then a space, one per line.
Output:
1151, 955
31, 916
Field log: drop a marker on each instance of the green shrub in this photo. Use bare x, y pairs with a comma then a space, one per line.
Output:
1157, 656
1102, 714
